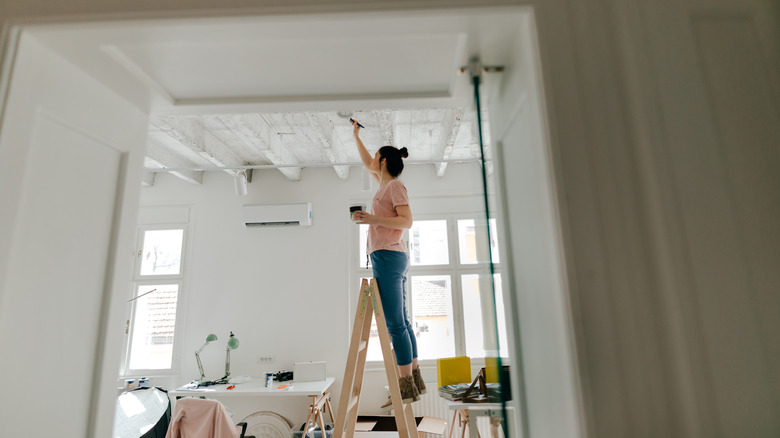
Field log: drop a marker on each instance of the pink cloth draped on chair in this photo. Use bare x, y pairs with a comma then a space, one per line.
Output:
200, 418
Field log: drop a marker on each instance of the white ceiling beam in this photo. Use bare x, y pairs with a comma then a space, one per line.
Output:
322, 129
256, 132
191, 134
147, 178
161, 157
450, 128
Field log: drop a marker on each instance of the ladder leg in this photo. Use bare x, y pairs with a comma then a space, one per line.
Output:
406, 428
369, 306
347, 385
352, 413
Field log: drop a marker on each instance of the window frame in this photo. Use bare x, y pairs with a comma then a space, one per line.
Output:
454, 269
139, 280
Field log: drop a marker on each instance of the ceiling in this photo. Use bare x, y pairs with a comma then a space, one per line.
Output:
270, 93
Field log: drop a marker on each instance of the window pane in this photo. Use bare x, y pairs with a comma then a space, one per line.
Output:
480, 338
151, 346
432, 316
428, 243
467, 242
162, 252
363, 246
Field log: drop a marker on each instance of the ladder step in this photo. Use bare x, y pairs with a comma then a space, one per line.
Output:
353, 402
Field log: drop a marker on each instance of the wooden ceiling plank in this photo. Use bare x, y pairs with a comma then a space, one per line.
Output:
385, 120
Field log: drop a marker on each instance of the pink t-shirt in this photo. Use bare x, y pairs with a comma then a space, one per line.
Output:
386, 199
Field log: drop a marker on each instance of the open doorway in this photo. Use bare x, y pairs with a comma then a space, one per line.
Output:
127, 68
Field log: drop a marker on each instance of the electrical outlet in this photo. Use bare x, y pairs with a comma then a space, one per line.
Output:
265, 359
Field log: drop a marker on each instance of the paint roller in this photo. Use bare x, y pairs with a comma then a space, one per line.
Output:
348, 115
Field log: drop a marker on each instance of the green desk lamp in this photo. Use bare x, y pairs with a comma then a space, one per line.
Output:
210, 338
231, 345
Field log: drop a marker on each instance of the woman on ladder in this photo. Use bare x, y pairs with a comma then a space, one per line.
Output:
390, 215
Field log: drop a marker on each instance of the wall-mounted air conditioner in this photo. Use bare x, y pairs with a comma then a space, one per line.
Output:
268, 215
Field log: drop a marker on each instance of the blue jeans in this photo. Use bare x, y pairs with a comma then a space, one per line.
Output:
390, 269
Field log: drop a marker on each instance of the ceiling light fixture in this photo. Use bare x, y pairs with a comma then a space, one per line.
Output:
241, 179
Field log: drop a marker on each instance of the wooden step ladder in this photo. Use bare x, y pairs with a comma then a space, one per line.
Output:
370, 306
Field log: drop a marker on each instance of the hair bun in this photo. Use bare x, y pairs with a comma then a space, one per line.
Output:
404, 152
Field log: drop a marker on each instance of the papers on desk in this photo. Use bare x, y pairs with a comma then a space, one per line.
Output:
196, 389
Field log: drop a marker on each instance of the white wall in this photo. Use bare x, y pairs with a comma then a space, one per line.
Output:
284, 291
540, 325
68, 190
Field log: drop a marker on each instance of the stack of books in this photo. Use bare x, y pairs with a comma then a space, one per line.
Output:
455, 392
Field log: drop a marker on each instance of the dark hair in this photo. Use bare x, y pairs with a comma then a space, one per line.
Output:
393, 159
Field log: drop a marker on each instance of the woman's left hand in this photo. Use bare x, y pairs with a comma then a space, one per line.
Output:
362, 217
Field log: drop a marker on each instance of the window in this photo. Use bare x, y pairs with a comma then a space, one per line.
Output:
480, 337
431, 315
467, 241
156, 288
448, 297
153, 324
161, 252
428, 243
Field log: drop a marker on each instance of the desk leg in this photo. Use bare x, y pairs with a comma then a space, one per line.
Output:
320, 415
494, 423
330, 407
473, 430
452, 423
309, 417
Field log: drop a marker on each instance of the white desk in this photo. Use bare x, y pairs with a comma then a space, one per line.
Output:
255, 387
474, 410
318, 391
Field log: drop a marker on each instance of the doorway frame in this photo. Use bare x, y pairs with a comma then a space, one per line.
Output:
12, 30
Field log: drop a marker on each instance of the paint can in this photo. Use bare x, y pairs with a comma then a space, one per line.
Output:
354, 208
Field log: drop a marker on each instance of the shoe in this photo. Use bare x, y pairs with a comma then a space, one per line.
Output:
418, 381
387, 405
409, 392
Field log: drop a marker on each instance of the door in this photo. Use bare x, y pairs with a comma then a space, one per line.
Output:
544, 383
709, 79
70, 166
